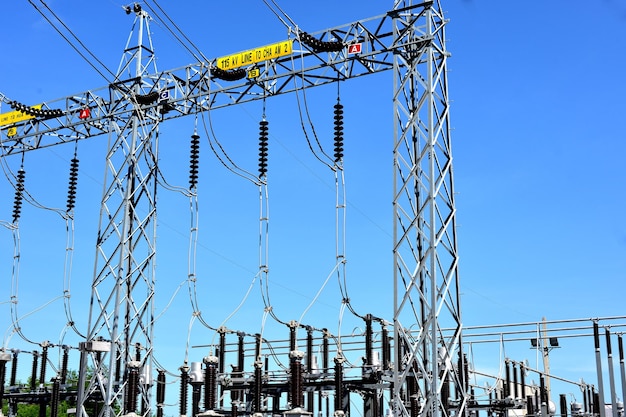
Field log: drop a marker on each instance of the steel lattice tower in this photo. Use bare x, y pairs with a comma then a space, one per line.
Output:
425, 253
428, 365
120, 328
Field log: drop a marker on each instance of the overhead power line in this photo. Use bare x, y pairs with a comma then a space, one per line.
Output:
71, 43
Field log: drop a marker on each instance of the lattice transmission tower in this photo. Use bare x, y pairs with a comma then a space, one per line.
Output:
428, 377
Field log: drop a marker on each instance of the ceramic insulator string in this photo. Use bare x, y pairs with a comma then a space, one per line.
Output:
19, 195
194, 160
338, 132
263, 139
71, 190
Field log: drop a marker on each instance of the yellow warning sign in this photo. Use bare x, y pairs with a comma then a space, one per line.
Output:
16, 116
253, 56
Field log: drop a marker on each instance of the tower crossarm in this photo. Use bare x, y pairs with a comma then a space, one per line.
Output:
360, 48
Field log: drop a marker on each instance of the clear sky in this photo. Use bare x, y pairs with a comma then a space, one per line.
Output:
538, 106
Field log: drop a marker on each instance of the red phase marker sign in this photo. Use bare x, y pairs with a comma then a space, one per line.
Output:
84, 114
355, 48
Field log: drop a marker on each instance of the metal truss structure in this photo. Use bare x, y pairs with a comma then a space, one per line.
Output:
427, 377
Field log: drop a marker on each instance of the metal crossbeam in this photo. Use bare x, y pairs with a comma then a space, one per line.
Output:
195, 88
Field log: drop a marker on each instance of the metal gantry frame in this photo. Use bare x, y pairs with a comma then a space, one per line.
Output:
428, 377
426, 278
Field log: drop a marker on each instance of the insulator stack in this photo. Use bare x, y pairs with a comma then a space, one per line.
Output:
230, 75
296, 379
160, 388
196, 393
210, 382
386, 348
44, 361
160, 392
56, 396
338, 132
320, 46
64, 365
263, 138
33, 375
194, 160
184, 382
132, 387
118, 365
339, 384
258, 384
369, 334
412, 390
13, 380
4, 358
522, 373
19, 194
71, 190
36, 112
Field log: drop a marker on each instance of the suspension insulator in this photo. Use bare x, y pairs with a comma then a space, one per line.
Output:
232, 75
338, 132
194, 160
263, 139
320, 46
71, 189
19, 195
149, 98
35, 112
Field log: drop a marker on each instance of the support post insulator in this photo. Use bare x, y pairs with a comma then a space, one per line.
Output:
56, 396
160, 389
210, 382
339, 383
13, 379
65, 359
33, 375
184, 381
19, 195
194, 160
338, 132
263, 140
296, 379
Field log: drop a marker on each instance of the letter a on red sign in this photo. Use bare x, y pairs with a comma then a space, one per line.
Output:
355, 48
84, 114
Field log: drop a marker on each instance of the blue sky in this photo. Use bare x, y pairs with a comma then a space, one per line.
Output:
537, 109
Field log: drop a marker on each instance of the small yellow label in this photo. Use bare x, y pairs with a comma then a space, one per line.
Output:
253, 56
254, 73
